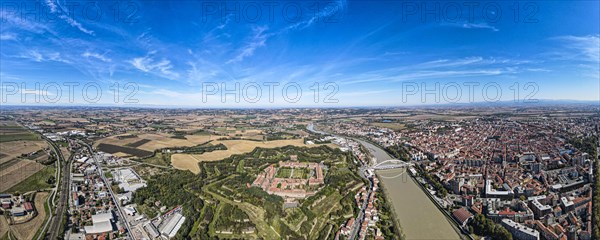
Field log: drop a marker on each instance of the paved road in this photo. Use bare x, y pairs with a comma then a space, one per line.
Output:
112, 194
57, 219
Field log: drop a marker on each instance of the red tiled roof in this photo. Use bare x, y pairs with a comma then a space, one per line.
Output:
462, 215
28, 206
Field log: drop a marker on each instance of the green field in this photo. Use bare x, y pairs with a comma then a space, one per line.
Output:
18, 136
390, 125
300, 173
163, 159
15, 132
284, 172
34, 182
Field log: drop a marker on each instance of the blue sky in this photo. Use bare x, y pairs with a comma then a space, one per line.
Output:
361, 53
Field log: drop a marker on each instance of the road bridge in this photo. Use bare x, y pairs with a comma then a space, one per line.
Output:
390, 164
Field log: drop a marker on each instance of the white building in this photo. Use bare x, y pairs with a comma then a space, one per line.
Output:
170, 228
128, 179
102, 223
519, 231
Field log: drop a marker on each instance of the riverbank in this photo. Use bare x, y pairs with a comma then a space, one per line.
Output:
453, 222
417, 214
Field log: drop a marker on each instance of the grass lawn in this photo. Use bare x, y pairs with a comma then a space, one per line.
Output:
300, 173
284, 172
34, 182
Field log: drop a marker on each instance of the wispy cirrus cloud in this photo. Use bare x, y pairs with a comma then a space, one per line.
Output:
8, 36
433, 74
148, 64
61, 12
327, 12
257, 40
442, 69
38, 56
586, 48
472, 25
483, 25
12, 20
260, 35
98, 56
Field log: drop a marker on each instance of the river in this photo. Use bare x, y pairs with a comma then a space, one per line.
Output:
418, 216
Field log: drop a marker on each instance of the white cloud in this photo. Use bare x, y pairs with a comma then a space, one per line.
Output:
472, 25
8, 36
96, 56
148, 64
483, 25
52, 5
258, 40
37, 56
538, 70
56, 8
259, 37
585, 48
429, 75
328, 12
11, 19
452, 62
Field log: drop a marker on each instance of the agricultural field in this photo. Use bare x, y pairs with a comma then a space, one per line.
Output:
14, 170
159, 141
10, 131
190, 161
239, 132
3, 228
127, 151
29, 178
185, 162
21, 152
151, 142
14, 149
390, 125
138, 143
